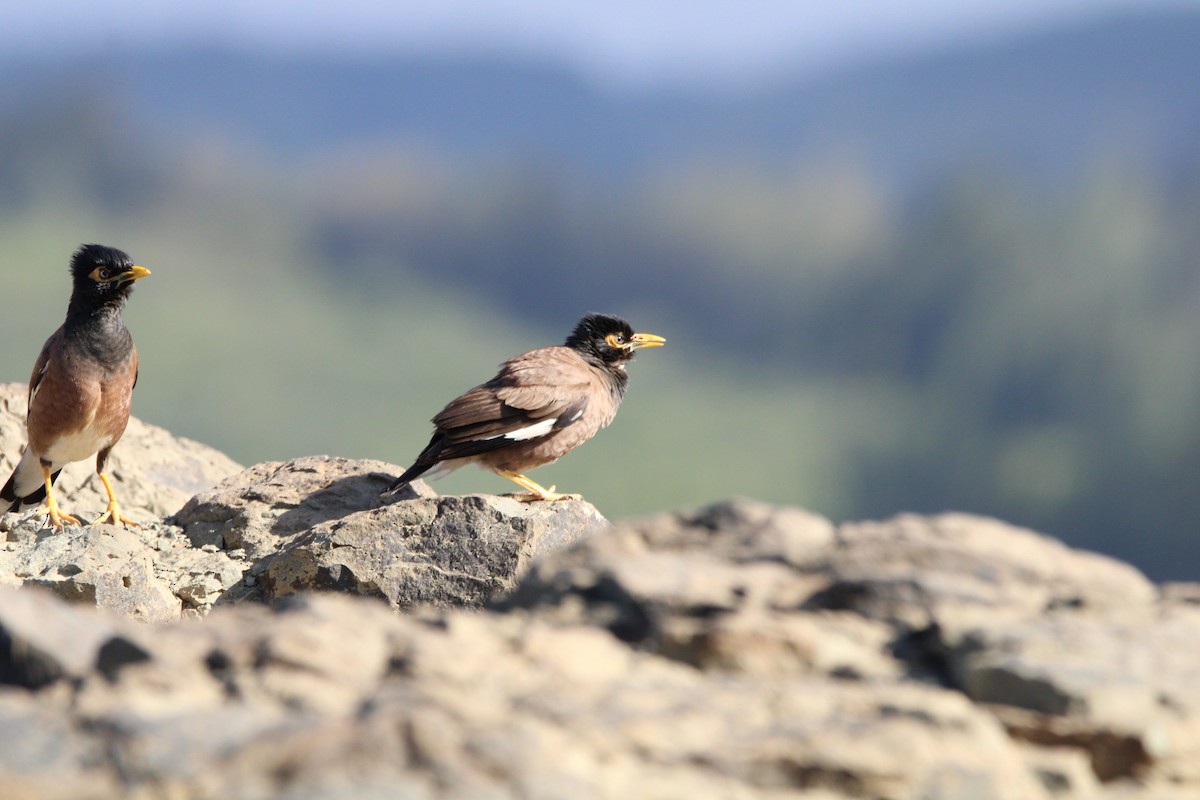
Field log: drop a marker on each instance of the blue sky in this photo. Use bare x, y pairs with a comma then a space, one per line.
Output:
634, 41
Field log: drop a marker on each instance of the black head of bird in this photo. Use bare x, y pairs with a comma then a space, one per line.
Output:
102, 277
540, 406
607, 341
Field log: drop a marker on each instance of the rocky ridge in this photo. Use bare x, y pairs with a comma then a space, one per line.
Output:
308, 640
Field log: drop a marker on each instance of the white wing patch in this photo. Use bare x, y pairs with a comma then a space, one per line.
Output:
528, 432
37, 385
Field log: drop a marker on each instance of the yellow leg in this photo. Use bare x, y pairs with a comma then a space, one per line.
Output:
113, 512
536, 491
50, 507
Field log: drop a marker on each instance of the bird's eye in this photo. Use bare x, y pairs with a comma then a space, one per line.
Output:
105, 273
615, 339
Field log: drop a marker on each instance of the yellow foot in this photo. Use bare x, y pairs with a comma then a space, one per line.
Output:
113, 512
547, 494
57, 518
113, 515
534, 491
50, 507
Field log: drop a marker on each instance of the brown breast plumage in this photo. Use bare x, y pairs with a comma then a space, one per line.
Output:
77, 406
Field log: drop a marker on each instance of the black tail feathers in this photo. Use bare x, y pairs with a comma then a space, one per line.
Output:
10, 500
411, 474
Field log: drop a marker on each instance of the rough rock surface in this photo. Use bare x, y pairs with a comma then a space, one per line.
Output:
318, 523
463, 647
1092, 671
149, 572
309, 524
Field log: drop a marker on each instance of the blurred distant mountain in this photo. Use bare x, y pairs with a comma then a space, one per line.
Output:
1041, 103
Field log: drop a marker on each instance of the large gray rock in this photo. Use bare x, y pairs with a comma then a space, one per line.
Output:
150, 573
1068, 648
957, 571
309, 524
107, 565
460, 551
1123, 687
318, 524
264, 507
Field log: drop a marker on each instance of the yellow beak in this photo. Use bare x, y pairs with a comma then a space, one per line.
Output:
646, 340
133, 273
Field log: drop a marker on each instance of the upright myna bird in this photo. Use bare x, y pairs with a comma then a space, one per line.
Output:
539, 407
81, 387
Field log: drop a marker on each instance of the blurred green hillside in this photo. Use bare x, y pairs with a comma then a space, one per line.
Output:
961, 327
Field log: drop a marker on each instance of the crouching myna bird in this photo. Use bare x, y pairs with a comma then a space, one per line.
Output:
539, 407
82, 385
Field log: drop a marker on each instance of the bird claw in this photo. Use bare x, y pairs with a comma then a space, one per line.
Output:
70, 519
57, 518
534, 491
114, 516
113, 511
549, 495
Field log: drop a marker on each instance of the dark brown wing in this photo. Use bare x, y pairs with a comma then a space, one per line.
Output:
533, 394
39, 367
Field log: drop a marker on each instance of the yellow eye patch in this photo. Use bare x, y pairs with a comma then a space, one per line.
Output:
615, 340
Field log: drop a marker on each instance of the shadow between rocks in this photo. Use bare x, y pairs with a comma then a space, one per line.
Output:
342, 497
